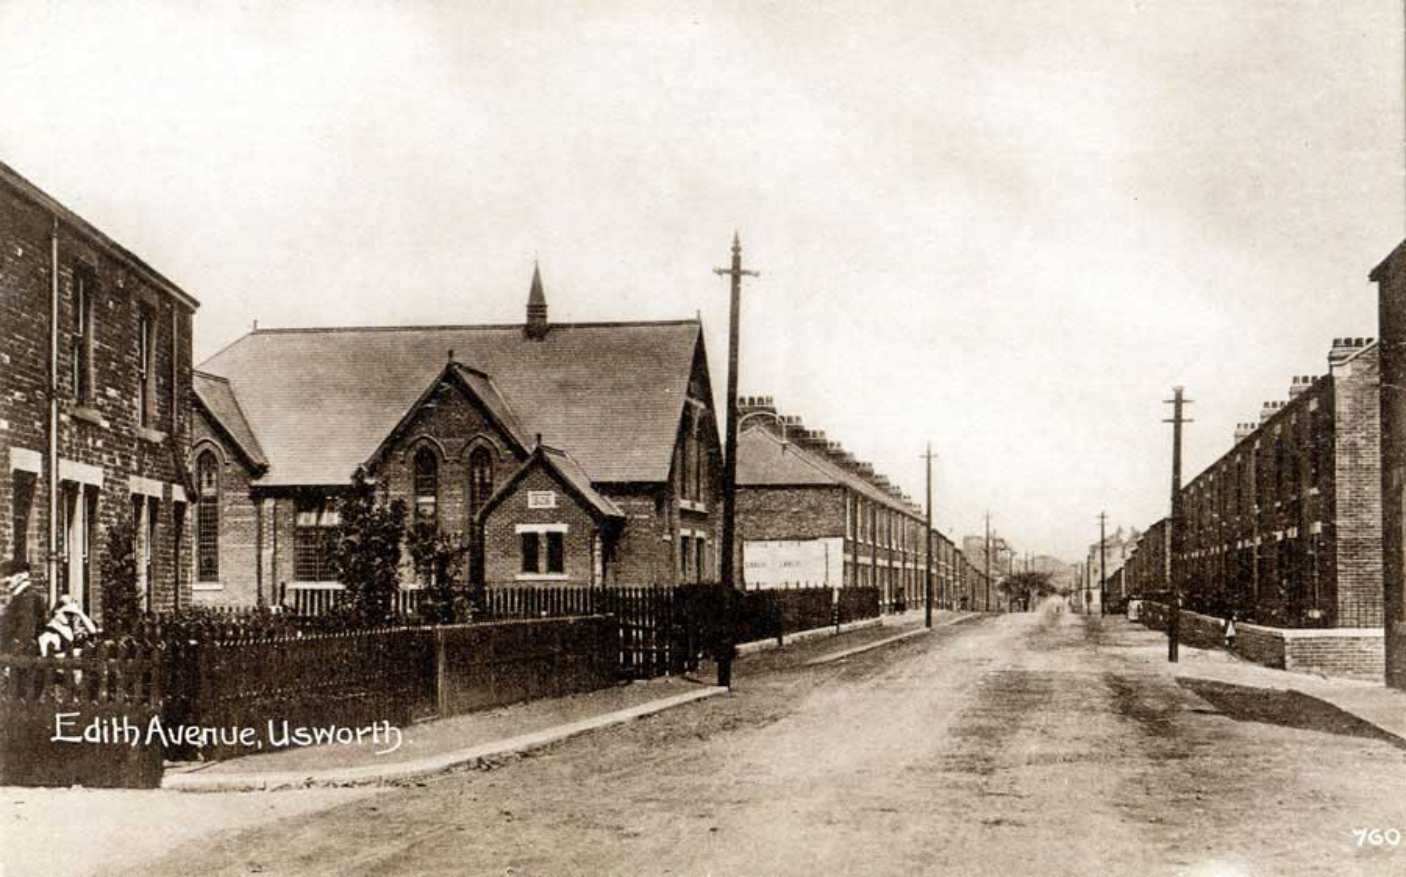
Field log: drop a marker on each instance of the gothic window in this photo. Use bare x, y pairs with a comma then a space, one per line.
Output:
207, 520
426, 486
480, 479
146, 366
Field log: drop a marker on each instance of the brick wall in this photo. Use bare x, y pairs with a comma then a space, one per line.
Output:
1358, 497
502, 551
1355, 653
238, 580
101, 431
1390, 277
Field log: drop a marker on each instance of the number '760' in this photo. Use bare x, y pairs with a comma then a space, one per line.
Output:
1377, 837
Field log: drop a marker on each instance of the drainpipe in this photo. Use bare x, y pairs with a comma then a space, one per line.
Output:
51, 565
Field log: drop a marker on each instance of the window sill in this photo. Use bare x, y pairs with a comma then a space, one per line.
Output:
155, 436
90, 415
316, 586
207, 586
693, 506
541, 577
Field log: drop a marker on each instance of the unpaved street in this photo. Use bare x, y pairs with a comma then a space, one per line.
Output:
1023, 744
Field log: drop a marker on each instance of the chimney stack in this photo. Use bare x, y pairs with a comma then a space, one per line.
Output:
1244, 431
1298, 384
1343, 348
1268, 410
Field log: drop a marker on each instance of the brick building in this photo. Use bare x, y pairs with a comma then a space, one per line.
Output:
1286, 527
1390, 277
1145, 571
1100, 569
809, 512
121, 361
585, 452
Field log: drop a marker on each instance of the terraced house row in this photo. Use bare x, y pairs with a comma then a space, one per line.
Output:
809, 512
572, 454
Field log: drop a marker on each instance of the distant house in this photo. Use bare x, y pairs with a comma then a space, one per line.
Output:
583, 452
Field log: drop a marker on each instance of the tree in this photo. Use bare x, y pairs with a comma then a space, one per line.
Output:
120, 601
366, 546
1025, 589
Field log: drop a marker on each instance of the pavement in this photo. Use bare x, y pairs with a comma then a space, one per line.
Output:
1371, 702
477, 739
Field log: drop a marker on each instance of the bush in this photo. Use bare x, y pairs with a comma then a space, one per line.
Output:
366, 550
120, 601
437, 559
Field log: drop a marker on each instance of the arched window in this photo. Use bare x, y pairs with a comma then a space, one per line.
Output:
207, 522
426, 486
480, 479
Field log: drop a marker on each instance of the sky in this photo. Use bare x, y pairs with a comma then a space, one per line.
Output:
1005, 229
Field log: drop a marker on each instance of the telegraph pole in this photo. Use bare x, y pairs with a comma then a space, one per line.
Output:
1174, 523
927, 558
987, 553
1102, 565
735, 272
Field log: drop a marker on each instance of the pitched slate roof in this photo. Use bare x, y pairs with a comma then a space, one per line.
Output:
216, 395
322, 400
568, 472
764, 461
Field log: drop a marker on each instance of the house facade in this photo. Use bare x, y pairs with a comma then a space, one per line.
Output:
472, 427
809, 513
114, 337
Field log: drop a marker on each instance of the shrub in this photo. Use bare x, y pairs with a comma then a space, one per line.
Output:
367, 549
120, 600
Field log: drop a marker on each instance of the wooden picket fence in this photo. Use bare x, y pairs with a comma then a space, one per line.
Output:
112, 687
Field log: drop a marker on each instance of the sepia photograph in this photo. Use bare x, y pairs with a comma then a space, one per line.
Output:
700, 437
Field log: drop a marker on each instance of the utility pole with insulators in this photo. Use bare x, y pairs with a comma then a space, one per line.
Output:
927, 557
1102, 565
987, 552
1174, 524
735, 272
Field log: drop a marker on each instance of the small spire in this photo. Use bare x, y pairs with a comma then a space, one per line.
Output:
736, 242
535, 296
536, 327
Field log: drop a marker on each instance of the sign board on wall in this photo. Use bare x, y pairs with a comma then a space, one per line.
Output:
774, 563
541, 499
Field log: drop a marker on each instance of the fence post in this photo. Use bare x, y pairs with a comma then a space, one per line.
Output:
440, 694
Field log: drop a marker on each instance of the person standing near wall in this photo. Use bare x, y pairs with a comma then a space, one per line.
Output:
24, 615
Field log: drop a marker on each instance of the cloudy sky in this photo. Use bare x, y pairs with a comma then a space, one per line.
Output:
1007, 228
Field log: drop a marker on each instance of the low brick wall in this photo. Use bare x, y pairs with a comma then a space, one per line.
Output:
1350, 652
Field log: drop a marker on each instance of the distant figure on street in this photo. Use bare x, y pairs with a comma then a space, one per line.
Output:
67, 624
24, 615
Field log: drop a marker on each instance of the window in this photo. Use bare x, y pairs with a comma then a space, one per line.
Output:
532, 545
313, 544
81, 343
531, 551
480, 479
556, 553
24, 488
700, 567
207, 518
849, 515
426, 486
146, 367
685, 555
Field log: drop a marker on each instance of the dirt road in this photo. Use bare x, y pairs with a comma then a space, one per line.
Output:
1018, 744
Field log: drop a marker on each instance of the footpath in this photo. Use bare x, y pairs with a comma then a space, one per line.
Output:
1371, 702
479, 740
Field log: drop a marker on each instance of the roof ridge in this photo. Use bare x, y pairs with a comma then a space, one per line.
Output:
603, 324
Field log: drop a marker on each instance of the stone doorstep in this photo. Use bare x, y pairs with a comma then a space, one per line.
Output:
377, 774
